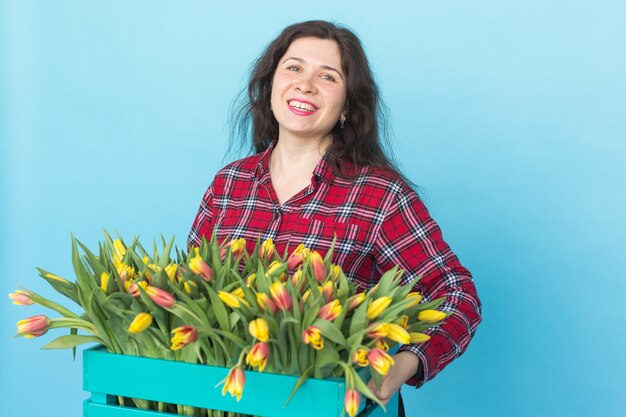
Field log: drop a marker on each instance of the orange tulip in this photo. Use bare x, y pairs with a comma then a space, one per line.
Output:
330, 311
266, 252
234, 382
161, 297
297, 256
264, 302
199, 267
257, 356
21, 298
327, 290
380, 361
352, 402
319, 269
281, 296
133, 289
356, 300
34, 326
237, 246
313, 336
182, 336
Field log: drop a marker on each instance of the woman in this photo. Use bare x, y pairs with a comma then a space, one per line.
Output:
320, 171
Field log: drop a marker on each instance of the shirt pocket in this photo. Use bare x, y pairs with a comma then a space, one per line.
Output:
319, 234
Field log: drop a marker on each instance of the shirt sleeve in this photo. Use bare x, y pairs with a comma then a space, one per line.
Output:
203, 223
410, 238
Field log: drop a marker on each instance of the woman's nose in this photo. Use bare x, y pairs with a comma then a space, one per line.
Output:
306, 85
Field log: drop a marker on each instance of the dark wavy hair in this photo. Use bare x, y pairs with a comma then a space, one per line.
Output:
364, 138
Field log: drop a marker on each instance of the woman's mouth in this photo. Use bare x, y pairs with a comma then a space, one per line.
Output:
302, 108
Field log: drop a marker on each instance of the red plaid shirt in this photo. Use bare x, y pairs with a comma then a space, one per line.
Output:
379, 221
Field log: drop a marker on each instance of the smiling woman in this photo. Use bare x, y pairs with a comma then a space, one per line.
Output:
320, 173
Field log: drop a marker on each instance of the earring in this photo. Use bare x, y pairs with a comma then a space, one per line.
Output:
342, 120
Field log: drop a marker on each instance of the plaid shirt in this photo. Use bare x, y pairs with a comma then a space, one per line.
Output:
379, 221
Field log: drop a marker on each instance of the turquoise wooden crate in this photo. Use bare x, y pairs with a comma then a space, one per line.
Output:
107, 375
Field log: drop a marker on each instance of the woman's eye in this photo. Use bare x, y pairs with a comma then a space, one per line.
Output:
328, 77
293, 68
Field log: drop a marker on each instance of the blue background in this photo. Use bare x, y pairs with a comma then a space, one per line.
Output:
510, 115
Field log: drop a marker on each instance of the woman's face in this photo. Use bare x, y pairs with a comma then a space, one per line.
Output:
308, 89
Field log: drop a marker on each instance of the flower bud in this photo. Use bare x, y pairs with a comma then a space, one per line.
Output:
258, 355
140, 323
312, 335
183, 336
234, 382
431, 316
377, 306
352, 401
330, 311
161, 297
380, 361
34, 326
418, 337
259, 329
319, 269
21, 298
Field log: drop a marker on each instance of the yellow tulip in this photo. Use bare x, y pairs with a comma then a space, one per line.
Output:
360, 357
431, 316
267, 249
415, 298
330, 311
377, 306
398, 334
182, 336
312, 335
140, 323
259, 329
418, 337
229, 299
258, 355
170, 271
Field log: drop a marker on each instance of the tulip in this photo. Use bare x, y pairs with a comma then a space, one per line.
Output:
120, 250
264, 302
296, 257
259, 329
280, 296
398, 334
431, 316
250, 279
126, 272
404, 322
334, 271
377, 307
199, 267
33, 326
56, 278
352, 401
237, 247
21, 298
380, 361
190, 287
360, 357
312, 335
258, 355
234, 382
378, 330
170, 271
182, 336
319, 269
330, 311
297, 281
415, 298
274, 266
381, 344
267, 249
306, 294
356, 300
327, 290
418, 337
104, 281
161, 297
133, 289
140, 323
231, 300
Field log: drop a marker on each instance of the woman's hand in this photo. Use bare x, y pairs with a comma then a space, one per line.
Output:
406, 365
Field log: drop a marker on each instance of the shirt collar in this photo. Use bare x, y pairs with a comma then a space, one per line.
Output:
321, 172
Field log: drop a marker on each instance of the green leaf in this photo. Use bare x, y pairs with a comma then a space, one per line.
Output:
303, 378
361, 386
71, 341
66, 288
331, 332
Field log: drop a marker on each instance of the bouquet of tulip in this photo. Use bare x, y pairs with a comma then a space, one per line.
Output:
294, 313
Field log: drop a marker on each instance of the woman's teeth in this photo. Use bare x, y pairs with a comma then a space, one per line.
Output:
302, 106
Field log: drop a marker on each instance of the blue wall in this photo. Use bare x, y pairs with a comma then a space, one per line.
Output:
510, 115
